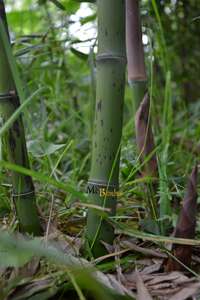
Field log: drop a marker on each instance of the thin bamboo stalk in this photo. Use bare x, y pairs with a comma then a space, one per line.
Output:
15, 145
107, 131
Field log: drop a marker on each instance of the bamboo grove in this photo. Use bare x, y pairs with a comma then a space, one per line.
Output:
119, 46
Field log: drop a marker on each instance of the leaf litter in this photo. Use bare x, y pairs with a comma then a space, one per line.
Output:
144, 279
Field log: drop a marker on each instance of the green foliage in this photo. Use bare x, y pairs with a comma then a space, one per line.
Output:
40, 148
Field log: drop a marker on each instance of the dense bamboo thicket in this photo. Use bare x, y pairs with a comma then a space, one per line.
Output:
15, 144
103, 182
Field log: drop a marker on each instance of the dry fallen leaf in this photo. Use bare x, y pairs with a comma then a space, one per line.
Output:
28, 270
142, 292
112, 283
186, 292
27, 290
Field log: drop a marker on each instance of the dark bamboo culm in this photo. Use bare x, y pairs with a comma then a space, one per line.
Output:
111, 63
15, 144
135, 53
138, 81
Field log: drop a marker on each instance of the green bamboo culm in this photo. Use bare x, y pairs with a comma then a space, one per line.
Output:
135, 53
103, 181
14, 142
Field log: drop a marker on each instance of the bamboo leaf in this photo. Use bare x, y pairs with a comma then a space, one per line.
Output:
42, 148
58, 4
79, 54
43, 178
88, 19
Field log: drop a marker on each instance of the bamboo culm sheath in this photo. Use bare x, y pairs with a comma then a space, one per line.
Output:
14, 144
103, 181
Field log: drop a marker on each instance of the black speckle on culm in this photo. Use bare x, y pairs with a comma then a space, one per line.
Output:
110, 157
101, 123
114, 84
95, 145
24, 156
16, 128
111, 130
99, 103
12, 142
29, 183
104, 156
100, 162
106, 32
15, 101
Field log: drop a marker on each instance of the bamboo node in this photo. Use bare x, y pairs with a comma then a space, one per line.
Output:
109, 56
103, 188
137, 80
8, 96
22, 194
103, 184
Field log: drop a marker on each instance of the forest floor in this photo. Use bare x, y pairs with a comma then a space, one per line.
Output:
135, 268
